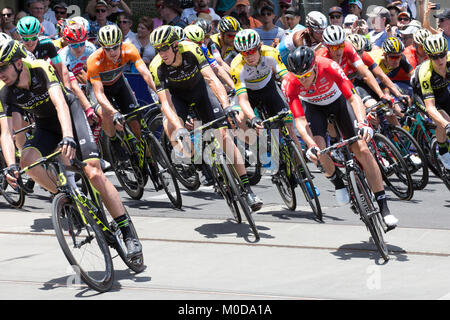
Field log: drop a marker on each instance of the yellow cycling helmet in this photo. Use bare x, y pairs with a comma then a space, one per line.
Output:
109, 36
393, 45
435, 44
229, 24
163, 36
194, 33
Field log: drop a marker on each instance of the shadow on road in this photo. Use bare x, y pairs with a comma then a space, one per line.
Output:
367, 250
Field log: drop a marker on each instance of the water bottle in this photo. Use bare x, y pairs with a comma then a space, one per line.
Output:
311, 194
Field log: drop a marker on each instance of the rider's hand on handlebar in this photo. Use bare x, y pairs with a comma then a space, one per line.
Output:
91, 116
386, 100
181, 133
118, 119
256, 123
365, 131
313, 153
68, 147
447, 129
11, 174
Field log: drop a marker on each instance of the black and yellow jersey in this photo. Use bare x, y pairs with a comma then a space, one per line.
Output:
215, 47
432, 84
256, 78
184, 77
36, 98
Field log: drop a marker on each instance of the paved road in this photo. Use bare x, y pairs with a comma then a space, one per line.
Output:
200, 253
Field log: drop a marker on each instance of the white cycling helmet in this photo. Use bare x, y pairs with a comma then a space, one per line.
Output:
420, 36
4, 36
81, 21
316, 20
180, 32
357, 40
333, 35
246, 39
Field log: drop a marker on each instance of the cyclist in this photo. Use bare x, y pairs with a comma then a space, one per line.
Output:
33, 85
252, 72
221, 44
415, 53
321, 86
105, 73
196, 34
315, 23
393, 62
184, 78
59, 42
431, 83
74, 57
29, 29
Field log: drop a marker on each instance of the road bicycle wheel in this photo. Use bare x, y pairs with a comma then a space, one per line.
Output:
285, 188
303, 176
413, 155
239, 193
15, 198
424, 139
130, 176
221, 186
392, 166
444, 174
83, 243
165, 171
362, 200
184, 172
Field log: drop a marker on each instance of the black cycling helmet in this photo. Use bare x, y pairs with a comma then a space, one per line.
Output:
300, 60
10, 51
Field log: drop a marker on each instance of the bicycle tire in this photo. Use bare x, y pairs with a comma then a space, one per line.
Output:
129, 175
362, 199
396, 167
303, 177
165, 166
285, 189
218, 176
63, 207
403, 139
425, 140
15, 198
236, 188
444, 174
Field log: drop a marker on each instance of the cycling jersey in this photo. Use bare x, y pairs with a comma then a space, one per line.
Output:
45, 49
76, 64
209, 57
431, 84
349, 61
286, 45
58, 43
401, 73
412, 57
36, 100
184, 77
255, 78
215, 47
329, 84
100, 68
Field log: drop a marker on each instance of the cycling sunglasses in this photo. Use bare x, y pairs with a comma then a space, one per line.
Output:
249, 52
230, 36
77, 45
112, 48
307, 74
438, 56
26, 39
336, 47
162, 49
394, 57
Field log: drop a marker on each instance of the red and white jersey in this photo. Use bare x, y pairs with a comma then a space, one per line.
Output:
350, 59
329, 84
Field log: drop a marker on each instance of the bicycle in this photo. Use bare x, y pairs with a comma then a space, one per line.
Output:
406, 144
361, 197
292, 168
443, 173
143, 155
82, 229
226, 179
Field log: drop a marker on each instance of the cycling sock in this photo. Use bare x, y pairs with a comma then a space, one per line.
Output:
124, 224
336, 180
443, 148
245, 181
380, 196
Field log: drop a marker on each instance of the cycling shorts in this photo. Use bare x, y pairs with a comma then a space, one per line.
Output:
121, 95
364, 91
317, 117
48, 133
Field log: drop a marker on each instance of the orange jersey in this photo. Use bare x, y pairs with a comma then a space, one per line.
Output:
100, 68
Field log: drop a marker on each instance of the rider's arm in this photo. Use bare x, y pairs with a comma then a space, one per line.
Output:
386, 81
245, 105
370, 80
358, 107
216, 86
146, 75
84, 102
97, 87
224, 76
433, 112
63, 73
222, 63
58, 100
7, 142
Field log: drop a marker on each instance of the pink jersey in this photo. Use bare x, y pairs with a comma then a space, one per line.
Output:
329, 84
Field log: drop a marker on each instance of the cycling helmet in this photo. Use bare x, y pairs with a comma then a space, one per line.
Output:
228, 24
60, 25
163, 36
246, 39
300, 60
393, 45
10, 51
420, 36
4, 36
333, 35
28, 25
316, 20
109, 35
180, 32
367, 45
81, 21
194, 33
204, 24
357, 41
435, 44
75, 33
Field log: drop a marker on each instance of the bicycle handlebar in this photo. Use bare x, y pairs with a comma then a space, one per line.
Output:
340, 144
